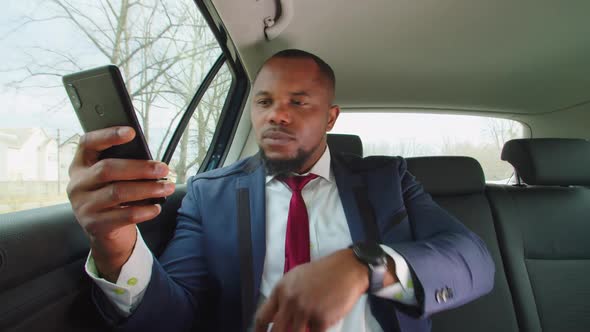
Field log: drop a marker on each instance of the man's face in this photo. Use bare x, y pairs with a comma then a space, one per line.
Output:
292, 111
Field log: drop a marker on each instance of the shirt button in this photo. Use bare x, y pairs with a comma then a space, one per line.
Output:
132, 282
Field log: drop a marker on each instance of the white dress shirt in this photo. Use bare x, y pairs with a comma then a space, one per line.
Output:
328, 233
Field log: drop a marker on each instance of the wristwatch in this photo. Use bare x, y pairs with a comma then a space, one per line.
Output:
372, 255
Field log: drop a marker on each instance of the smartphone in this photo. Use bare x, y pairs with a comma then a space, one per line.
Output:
100, 100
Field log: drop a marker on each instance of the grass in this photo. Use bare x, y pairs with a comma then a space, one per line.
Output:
19, 203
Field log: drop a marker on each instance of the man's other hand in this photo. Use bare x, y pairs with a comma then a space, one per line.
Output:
315, 295
98, 188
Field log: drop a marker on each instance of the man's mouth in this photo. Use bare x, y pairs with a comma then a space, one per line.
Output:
277, 137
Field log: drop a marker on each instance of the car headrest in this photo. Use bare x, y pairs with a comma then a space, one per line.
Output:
447, 175
550, 161
344, 143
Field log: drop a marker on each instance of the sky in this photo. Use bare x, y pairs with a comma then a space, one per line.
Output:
31, 107
426, 129
426, 134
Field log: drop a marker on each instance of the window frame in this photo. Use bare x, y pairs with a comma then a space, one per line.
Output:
236, 97
234, 103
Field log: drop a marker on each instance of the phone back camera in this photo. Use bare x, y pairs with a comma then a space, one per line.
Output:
73, 94
99, 110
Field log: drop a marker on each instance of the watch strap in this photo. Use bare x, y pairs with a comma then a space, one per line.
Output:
372, 255
376, 277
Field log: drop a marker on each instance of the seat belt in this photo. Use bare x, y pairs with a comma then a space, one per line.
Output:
246, 261
361, 195
383, 308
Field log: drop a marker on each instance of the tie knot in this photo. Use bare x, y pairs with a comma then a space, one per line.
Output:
296, 183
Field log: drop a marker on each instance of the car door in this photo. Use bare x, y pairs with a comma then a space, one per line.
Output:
188, 88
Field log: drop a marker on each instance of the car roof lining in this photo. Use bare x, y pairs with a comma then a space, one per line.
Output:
528, 57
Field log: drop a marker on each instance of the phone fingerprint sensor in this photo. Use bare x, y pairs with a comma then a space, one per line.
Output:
99, 110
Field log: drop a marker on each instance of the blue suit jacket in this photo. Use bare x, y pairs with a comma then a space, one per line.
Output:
196, 281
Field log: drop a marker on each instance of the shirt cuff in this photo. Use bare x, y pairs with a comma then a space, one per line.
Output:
403, 290
128, 291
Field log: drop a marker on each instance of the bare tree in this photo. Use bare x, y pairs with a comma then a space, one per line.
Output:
502, 130
163, 49
487, 151
408, 147
197, 137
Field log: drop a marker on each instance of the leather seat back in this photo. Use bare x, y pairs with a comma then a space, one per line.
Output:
458, 185
544, 232
345, 143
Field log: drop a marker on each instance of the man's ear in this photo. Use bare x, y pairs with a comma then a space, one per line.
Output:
333, 114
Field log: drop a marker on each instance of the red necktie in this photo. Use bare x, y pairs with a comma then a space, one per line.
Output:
297, 238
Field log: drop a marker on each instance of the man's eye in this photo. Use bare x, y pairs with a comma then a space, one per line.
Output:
263, 102
297, 103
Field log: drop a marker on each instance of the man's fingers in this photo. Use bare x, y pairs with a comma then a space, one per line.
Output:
282, 320
266, 313
316, 329
300, 322
92, 143
317, 324
107, 221
129, 191
110, 170
103, 139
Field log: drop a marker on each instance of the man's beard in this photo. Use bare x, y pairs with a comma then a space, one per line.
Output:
283, 167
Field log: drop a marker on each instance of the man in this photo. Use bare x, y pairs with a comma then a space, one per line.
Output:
274, 230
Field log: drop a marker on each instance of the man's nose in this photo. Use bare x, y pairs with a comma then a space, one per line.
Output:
280, 114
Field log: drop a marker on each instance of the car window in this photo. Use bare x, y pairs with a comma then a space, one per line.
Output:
418, 134
197, 136
163, 48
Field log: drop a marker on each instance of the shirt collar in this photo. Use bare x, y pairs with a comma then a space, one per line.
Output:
321, 168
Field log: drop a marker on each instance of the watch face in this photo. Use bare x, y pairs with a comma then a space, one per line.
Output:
370, 253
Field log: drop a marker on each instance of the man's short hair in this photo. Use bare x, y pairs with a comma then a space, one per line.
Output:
325, 68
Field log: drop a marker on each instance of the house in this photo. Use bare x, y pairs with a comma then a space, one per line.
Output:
27, 154
30, 154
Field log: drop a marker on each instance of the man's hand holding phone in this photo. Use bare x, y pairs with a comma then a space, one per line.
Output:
99, 190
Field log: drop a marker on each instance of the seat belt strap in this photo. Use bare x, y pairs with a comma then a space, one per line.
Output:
361, 194
246, 261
